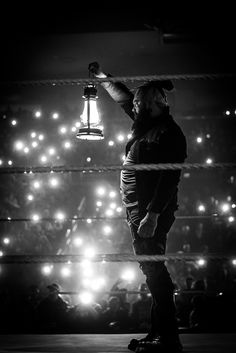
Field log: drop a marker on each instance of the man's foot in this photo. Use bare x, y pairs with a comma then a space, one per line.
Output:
134, 342
156, 344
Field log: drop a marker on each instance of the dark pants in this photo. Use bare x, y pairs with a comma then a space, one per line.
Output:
163, 320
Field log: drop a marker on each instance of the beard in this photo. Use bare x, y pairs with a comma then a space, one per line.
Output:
143, 122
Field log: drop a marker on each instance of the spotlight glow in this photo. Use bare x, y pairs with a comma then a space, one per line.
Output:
47, 269
201, 262
128, 275
86, 298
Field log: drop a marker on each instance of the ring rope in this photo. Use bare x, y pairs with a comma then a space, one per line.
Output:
29, 259
139, 167
85, 81
176, 292
51, 219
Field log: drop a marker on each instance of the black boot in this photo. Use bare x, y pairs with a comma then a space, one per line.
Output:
159, 345
134, 342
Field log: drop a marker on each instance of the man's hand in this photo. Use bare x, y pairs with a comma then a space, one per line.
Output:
148, 225
95, 69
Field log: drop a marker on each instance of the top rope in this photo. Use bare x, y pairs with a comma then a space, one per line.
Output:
112, 168
146, 78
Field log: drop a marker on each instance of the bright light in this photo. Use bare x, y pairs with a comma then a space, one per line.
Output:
60, 216
89, 253
19, 145
51, 151
34, 144
111, 143
54, 182
36, 184
77, 241
101, 191
55, 116
10, 162
225, 207
77, 124
63, 130
33, 134
67, 144
86, 298
94, 116
41, 137
97, 284
1, 253
30, 197
123, 157
120, 137
88, 159
37, 114
201, 262
26, 150
13, 122
227, 112
113, 205
199, 139
209, 161
47, 269
129, 136
233, 205
107, 230
109, 213
65, 272
99, 203
6, 241
112, 194
201, 208
35, 217
208, 136
89, 221
234, 262
231, 219
73, 129
1, 162
128, 275
43, 159
119, 209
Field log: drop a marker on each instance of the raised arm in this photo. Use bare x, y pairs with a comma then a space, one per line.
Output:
117, 90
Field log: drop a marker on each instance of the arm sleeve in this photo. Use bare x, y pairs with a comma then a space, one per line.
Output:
173, 148
121, 95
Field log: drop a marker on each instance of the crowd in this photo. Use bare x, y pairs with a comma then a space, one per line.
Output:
199, 309
205, 296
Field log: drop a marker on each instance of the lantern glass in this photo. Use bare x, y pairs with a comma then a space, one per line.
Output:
90, 128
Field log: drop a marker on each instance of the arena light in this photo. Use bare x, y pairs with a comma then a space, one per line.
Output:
9, 162
201, 208
107, 230
99, 203
86, 298
111, 143
30, 197
47, 269
88, 159
201, 262
65, 271
19, 145
234, 262
60, 216
128, 275
54, 182
51, 151
33, 134
90, 121
199, 139
55, 116
1, 253
6, 241
209, 161
13, 122
38, 114
35, 217
112, 194
101, 191
41, 137
77, 241
89, 253
225, 207
36, 184
62, 130
34, 144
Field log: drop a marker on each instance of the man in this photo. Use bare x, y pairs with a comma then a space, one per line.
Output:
150, 197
